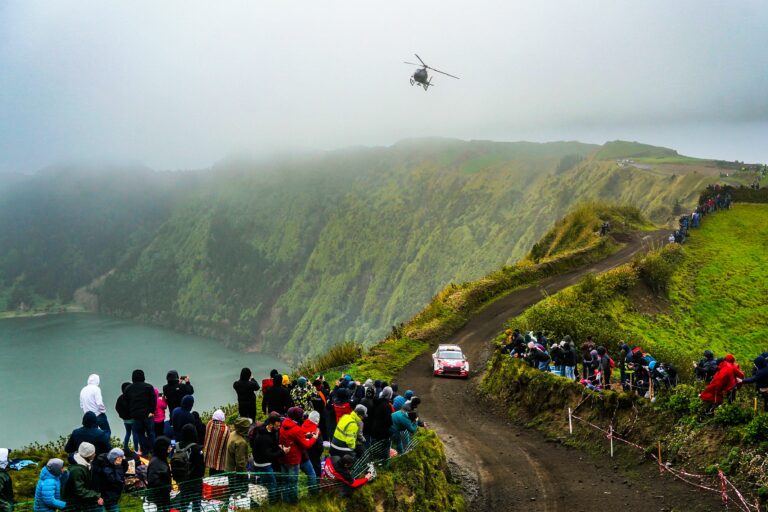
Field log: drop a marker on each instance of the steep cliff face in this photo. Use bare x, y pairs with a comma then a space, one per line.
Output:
293, 255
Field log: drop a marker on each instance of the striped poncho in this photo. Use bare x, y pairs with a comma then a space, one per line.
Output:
215, 446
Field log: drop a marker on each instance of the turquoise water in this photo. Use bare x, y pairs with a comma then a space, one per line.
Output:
45, 361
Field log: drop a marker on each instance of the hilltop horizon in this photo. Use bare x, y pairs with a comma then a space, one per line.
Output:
117, 163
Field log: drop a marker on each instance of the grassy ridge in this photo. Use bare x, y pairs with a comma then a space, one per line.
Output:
717, 295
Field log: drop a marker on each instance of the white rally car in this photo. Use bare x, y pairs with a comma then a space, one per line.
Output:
449, 361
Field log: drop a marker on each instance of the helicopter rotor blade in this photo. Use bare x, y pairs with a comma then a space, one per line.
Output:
422, 62
412, 64
443, 72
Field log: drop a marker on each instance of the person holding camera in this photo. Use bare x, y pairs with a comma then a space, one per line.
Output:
176, 389
246, 389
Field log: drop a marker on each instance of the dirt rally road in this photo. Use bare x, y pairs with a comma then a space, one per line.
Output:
504, 466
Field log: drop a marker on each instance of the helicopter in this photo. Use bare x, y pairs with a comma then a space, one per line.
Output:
420, 77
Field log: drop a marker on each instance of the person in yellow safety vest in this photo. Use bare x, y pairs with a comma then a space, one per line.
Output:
344, 440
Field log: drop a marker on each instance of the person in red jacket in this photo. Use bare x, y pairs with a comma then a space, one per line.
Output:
293, 437
340, 468
724, 383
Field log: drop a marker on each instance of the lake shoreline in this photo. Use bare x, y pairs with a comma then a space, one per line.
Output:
62, 310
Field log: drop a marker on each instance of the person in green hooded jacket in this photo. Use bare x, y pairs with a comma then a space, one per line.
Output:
237, 454
78, 492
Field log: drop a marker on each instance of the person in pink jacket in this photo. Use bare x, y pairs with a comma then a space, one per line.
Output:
160, 413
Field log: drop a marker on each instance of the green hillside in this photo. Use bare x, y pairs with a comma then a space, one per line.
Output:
717, 296
292, 255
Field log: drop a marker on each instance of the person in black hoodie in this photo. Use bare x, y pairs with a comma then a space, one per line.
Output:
88, 433
381, 419
277, 398
176, 389
190, 485
246, 389
159, 475
266, 450
121, 406
142, 401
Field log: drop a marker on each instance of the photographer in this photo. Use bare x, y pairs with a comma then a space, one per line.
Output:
176, 389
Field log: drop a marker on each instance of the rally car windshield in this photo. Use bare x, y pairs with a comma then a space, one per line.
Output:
450, 355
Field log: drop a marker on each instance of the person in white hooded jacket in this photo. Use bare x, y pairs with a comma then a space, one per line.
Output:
92, 401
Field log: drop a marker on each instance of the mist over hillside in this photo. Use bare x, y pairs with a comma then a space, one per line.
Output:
291, 255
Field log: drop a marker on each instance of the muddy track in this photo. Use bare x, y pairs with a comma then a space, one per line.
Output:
504, 466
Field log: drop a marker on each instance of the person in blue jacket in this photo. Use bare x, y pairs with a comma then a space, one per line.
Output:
48, 489
182, 415
404, 423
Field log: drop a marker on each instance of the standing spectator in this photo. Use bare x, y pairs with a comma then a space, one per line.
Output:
48, 488
319, 404
315, 452
345, 437
88, 433
109, 477
293, 438
176, 389
215, 444
382, 422
141, 405
6, 485
121, 406
266, 452
182, 415
246, 389
404, 423
91, 400
586, 357
159, 475
79, 492
301, 395
159, 417
569, 359
277, 398
237, 454
605, 365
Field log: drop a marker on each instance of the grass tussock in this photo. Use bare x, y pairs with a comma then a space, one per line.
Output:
337, 356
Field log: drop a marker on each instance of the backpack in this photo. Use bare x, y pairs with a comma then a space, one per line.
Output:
97, 470
181, 465
610, 360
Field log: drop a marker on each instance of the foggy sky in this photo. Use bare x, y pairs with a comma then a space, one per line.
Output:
183, 84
